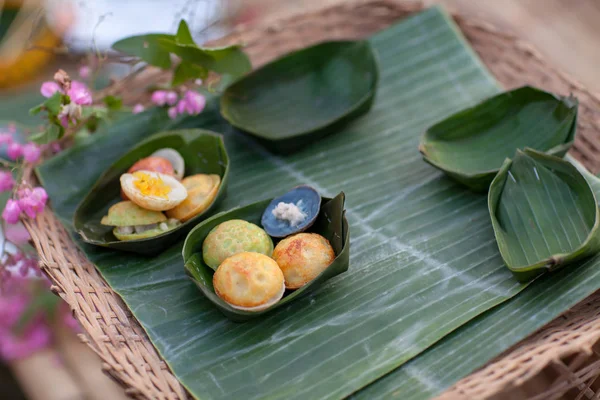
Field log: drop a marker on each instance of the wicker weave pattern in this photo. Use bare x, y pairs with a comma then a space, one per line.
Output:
115, 335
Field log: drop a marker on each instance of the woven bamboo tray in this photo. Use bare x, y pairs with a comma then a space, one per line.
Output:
562, 359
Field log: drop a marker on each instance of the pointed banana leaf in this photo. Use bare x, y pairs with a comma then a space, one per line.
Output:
203, 152
544, 213
330, 223
471, 145
424, 258
314, 91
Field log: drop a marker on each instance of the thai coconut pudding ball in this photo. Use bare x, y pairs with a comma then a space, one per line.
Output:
233, 237
302, 257
249, 281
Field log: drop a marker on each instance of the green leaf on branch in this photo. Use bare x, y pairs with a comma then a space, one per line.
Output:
155, 49
52, 133
147, 48
229, 60
186, 71
52, 104
113, 102
184, 35
36, 110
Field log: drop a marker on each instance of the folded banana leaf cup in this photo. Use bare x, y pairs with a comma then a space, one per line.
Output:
203, 152
544, 214
471, 145
305, 95
331, 223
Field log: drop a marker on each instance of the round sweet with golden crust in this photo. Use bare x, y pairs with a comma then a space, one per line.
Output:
202, 190
233, 237
302, 257
249, 281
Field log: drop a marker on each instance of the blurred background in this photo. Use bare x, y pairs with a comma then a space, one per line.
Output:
37, 37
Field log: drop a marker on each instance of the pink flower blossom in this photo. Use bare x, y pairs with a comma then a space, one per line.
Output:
40, 194
36, 337
17, 234
12, 127
194, 102
172, 112
32, 202
80, 94
49, 88
171, 98
6, 138
69, 113
31, 153
159, 97
14, 151
12, 211
18, 257
85, 71
138, 108
6, 181
11, 308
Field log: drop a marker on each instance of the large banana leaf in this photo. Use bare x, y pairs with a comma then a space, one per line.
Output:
488, 335
424, 260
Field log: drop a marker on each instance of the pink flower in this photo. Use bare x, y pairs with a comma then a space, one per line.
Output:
6, 181
31, 153
36, 337
159, 97
6, 138
12, 127
171, 98
80, 94
14, 151
69, 113
11, 308
39, 193
49, 88
172, 112
33, 202
11, 212
84, 71
138, 108
194, 102
17, 234
181, 106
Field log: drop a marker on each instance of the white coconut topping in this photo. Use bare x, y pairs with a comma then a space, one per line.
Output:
289, 212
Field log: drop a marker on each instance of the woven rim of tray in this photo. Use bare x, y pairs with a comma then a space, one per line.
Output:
129, 357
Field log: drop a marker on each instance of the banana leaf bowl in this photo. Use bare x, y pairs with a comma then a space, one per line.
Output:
331, 223
471, 145
203, 152
305, 95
